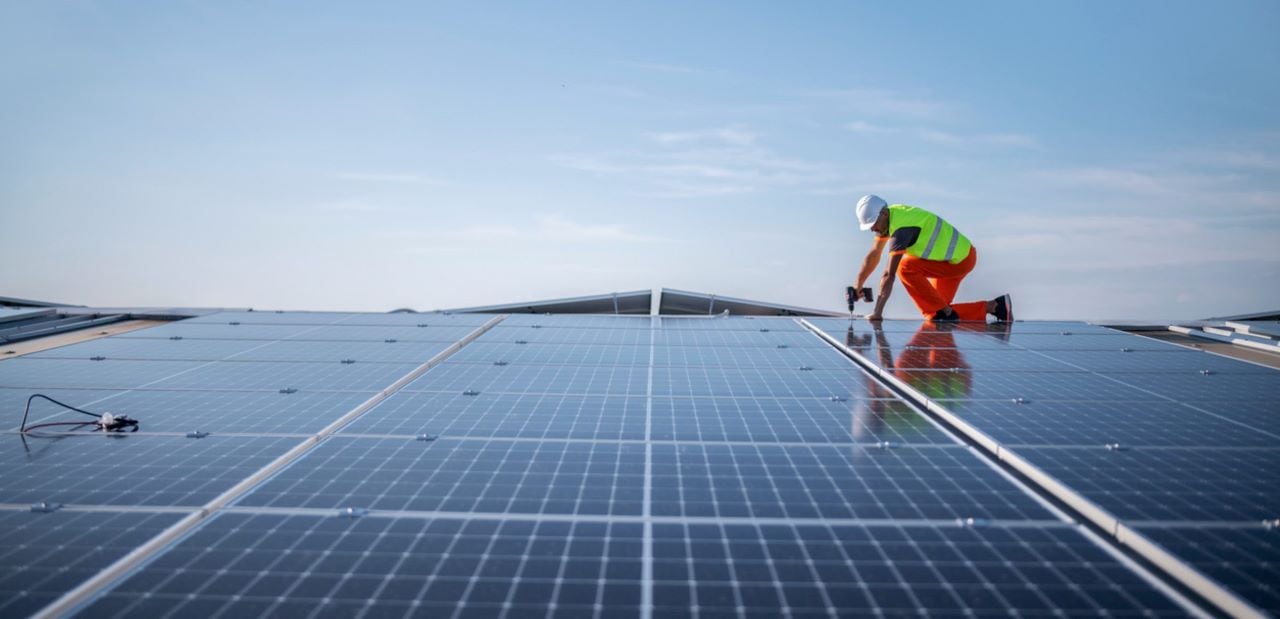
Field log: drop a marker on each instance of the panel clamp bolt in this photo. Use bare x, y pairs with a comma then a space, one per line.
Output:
838, 398
1021, 401
970, 523
197, 434
1269, 525
45, 507
471, 392
288, 390
1115, 447
348, 361
353, 512
427, 438
1206, 372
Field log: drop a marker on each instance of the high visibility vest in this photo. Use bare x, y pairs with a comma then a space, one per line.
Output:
938, 239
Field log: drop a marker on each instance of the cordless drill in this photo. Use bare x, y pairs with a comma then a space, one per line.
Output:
852, 294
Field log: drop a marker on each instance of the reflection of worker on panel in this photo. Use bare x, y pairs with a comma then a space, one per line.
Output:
884, 414
931, 362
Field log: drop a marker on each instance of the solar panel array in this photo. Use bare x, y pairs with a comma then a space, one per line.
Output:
584, 466
1179, 444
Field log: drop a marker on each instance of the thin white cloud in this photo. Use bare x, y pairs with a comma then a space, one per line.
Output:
664, 67
947, 138
383, 177
861, 126
704, 163
732, 136
880, 103
555, 228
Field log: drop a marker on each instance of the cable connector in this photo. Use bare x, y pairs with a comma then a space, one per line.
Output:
116, 423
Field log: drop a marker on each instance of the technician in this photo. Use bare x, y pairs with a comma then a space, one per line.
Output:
929, 255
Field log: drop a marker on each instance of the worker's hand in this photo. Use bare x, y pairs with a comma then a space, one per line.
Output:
875, 317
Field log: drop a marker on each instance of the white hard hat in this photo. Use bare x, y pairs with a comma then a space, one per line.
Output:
869, 208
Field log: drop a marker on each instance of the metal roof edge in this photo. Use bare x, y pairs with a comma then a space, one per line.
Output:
502, 307
791, 309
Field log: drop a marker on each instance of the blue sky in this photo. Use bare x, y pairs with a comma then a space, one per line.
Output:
1108, 159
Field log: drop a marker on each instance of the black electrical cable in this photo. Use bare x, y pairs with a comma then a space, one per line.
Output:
115, 423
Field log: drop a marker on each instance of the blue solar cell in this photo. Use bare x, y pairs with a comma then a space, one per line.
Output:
328, 351
273, 565
730, 323
1176, 484
834, 325
751, 357
406, 333
579, 321
1246, 560
846, 571
817, 481
543, 416
83, 373
552, 354
1173, 360
221, 331
791, 420
131, 469
43, 556
1095, 423
271, 376
734, 338
578, 379
792, 382
118, 348
487, 476
547, 335
963, 386
272, 317
211, 411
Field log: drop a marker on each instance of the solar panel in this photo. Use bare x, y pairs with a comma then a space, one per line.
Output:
466, 476
497, 415
44, 555
1244, 558
280, 565
1179, 444
557, 465
798, 420
125, 470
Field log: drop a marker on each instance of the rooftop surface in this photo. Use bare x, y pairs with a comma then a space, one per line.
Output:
319, 464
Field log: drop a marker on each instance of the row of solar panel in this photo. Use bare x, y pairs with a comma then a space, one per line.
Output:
1194, 467
242, 563
299, 565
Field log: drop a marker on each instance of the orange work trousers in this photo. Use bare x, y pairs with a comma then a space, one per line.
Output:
932, 284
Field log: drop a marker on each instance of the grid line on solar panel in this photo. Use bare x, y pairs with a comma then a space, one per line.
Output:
584, 379
68, 373
762, 324
1175, 483
792, 382
846, 571
617, 337
244, 412
1245, 560
551, 354
131, 469
1137, 423
462, 476
579, 321
266, 565
818, 481
1051, 327
273, 375
811, 420
42, 556
543, 416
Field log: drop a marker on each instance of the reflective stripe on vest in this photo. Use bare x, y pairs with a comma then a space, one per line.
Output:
938, 239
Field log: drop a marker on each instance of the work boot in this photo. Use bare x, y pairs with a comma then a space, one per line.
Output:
945, 315
1003, 310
